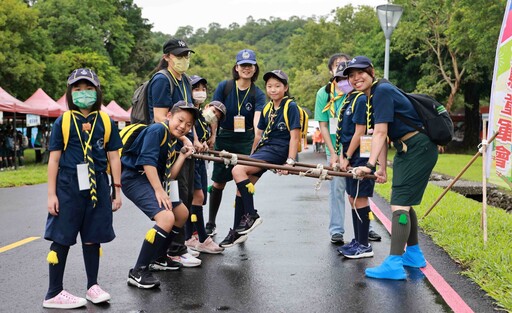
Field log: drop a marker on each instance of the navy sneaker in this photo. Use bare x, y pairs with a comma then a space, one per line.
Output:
142, 278
348, 246
358, 251
248, 223
232, 239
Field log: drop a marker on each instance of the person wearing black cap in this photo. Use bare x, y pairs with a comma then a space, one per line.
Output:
150, 166
244, 102
413, 163
276, 142
79, 199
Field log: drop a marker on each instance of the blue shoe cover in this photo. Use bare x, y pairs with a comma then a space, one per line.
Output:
413, 257
391, 268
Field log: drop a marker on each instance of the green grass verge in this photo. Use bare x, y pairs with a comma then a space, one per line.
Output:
29, 175
454, 224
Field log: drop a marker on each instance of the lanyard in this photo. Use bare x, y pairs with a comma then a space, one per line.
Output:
87, 144
182, 89
238, 99
205, 131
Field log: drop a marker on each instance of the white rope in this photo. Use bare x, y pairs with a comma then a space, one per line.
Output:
353, 205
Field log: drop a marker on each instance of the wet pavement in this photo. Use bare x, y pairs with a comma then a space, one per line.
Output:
287, 265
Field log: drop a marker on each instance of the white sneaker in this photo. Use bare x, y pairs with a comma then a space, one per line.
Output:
209, 246
64, 300
193, 253
187, 260
97, 295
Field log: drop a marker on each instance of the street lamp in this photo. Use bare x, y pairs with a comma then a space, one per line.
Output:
389, 15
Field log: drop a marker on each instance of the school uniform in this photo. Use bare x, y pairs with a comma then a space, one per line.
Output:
351, 115
146, 149
416, 155
76, 211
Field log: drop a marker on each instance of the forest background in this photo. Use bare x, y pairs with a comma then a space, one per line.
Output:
445, 48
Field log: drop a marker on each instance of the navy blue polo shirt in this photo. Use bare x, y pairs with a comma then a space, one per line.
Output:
249, 105
279, 133
146, 149
352, 116
74, 153
387, 100
203, 129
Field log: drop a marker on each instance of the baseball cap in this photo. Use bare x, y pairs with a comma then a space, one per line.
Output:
340, 68
195, 79
246, 56
277, 73
176, 46
187, 106
83, 73
219, 106
358, 62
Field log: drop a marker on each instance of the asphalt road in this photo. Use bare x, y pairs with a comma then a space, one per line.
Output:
287, 265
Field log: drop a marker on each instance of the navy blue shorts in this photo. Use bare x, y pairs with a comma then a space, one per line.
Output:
271, 154
137, 188
366, 186
76, 214
201, 178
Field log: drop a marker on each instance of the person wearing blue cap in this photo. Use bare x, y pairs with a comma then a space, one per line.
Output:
79, 199
415, 158
276, 142
244, 102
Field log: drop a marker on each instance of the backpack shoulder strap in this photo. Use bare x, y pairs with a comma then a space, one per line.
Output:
66, 126
164, 140
266, 108
107, 124
285, 112
228, 87
169, 77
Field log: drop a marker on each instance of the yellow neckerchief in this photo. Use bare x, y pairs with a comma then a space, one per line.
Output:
271, 118
369, 107
330, 105
87, 144
203, 126
183, 90
237, 97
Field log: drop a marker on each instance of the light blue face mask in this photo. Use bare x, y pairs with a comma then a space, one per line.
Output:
84, 99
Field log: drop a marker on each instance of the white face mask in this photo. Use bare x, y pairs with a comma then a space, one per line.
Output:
209, 116
199, 96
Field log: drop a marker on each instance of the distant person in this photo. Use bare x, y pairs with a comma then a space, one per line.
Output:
244, 102
149, 168
317, 140
78, 202
415, 158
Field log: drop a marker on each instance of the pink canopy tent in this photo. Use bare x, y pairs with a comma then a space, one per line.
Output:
41, 101
10, 104
63, 103
118, 110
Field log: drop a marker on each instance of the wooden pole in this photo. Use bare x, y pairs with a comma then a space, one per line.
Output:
484, 181
457, 178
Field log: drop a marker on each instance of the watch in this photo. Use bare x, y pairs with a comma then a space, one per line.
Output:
290, 161
370, 166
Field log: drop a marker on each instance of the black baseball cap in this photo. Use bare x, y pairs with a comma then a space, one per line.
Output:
196, 79
358, 62
187, 106
277, 73
176, 47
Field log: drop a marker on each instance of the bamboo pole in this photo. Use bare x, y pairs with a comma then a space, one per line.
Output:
457, 177
484, 182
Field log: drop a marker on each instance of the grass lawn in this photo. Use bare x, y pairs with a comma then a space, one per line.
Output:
31, 174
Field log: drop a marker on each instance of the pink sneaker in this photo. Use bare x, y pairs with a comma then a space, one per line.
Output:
64, 300
97, 295
192, 243
209, 246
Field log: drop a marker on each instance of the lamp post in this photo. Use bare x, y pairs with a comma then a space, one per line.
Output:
389, 15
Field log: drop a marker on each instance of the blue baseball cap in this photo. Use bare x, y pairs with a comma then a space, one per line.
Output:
246, 56
277, 73
189, 107
83, 73
357, 62
196, 79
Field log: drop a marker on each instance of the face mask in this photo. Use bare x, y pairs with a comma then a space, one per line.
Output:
181, 65
345, 86
84, 99
210, 117
199, 96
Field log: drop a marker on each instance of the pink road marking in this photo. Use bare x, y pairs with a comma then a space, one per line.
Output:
449, 295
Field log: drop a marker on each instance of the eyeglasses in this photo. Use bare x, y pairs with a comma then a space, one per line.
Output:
183, 56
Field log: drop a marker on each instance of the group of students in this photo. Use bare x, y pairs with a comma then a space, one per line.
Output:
161, 179
12, 146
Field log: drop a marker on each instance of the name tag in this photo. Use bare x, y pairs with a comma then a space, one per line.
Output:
82, 171
365, 146
174, 194
239, 124
333, 125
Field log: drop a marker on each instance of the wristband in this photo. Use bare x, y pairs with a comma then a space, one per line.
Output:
117, 185
370, 166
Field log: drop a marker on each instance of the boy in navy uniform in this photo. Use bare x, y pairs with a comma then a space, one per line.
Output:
150, 164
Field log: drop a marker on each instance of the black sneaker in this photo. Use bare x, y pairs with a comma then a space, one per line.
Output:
337, 239
164, 264
232, 239
211, 229
142, 278
248, 223
373, 236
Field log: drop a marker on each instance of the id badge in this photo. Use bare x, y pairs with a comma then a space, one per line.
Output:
239, 123
174, 194
365, 146
82, 171
333, 125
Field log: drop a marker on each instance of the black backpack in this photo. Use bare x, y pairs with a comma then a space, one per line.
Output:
140, 107
437, 124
